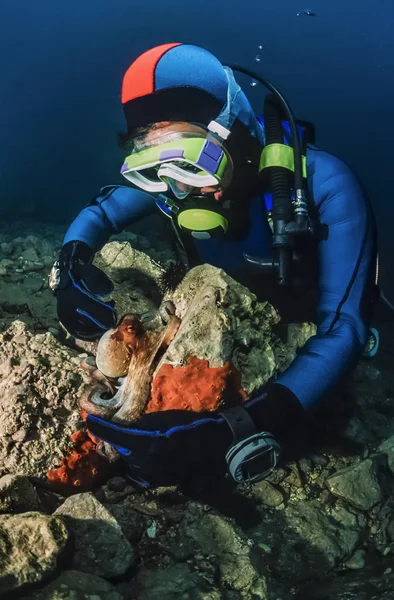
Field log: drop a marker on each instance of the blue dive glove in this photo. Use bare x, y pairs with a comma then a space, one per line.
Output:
79, 289
170, 447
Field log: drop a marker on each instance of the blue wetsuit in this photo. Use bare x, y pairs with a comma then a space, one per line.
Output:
346, 265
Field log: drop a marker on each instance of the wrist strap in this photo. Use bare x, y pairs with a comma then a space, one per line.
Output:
240, 422
73, 251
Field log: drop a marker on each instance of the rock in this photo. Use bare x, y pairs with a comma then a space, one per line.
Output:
267, 494
222, 321
18, 495
39, 385
357, 561
6, 248
143, 242
295, 476
390, 530
357, 484
12, 298
32, 284
30, 545
117, 484
38, 308
30, 254
74, 585
387, 447
130, 521
100, 545
307, 538
36, 266
356, 431
364, 585
177, 582
14, 277
42, 246
5, 263
220, 538
135, 276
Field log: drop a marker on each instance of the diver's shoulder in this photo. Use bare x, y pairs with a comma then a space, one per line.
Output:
321, 162
122, 191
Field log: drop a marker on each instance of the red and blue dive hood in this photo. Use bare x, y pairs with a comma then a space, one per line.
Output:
179, 82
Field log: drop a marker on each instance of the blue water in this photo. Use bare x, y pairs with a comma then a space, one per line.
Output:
61, 66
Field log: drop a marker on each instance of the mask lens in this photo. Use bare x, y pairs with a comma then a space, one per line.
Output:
151, 173
179, 189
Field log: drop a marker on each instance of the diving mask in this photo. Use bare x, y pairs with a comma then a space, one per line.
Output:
180, 161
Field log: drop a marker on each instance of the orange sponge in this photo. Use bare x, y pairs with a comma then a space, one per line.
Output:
195, 386
80, 469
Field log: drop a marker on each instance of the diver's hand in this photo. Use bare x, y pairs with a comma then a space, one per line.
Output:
169, 447
79, 305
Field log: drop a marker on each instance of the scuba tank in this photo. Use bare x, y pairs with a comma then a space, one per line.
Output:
295, 225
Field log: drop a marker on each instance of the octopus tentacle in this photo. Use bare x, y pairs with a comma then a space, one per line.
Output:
135, 393
93, 403
137, 348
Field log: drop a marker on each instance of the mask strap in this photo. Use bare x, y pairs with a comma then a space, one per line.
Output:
221, 126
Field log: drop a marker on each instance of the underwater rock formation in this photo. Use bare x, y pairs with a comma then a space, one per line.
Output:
39, 383
217, 324
320, 527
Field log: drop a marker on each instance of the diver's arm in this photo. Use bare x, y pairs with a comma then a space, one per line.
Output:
346, 284
346, 288
114, 209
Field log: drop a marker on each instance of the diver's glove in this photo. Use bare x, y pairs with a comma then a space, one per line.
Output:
170, 447
79, 287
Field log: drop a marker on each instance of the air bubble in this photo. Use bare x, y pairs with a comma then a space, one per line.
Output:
308, 12
253, 83
258, 58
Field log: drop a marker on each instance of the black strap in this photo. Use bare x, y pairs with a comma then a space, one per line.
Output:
240, 422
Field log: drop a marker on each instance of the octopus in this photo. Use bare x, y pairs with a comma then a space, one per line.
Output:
126, 359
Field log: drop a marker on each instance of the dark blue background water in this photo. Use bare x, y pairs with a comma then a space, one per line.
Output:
61, 66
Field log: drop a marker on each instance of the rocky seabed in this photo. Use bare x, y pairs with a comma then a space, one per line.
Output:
320, 528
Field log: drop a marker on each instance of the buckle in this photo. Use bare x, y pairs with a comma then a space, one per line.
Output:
54, 277
254, 458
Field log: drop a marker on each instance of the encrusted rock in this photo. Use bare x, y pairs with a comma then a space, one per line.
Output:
307, 538
387, 447
372, 584
38, 400
306, 541
18, 495
390, 530
265, 493
357, 561
218, 537
74, 585
222, 321
135, 276
100, 545
176, 582
130, 521
117, 484
29, 254
30, 545
356, 431
357, 484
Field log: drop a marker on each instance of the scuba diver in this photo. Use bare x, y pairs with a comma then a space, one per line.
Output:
251, 195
